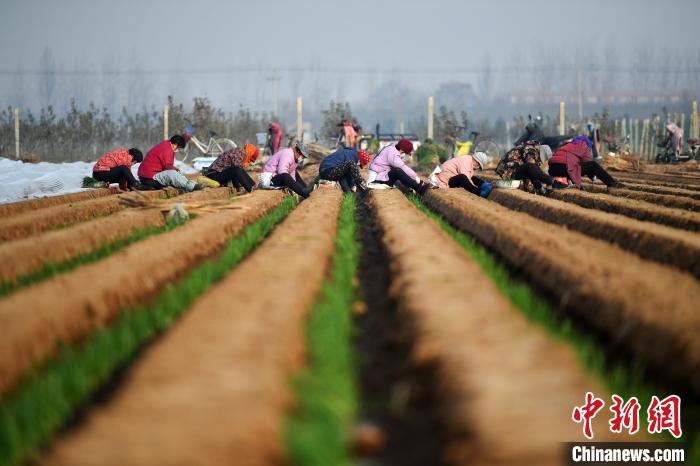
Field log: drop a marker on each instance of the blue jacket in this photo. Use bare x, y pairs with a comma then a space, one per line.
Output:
338, 157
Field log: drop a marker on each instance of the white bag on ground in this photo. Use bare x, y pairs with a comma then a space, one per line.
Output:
432, 178
265, 181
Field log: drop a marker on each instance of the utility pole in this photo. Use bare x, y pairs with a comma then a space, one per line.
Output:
274, 79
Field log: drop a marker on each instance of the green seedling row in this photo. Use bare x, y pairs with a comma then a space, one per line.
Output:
46, 400
327, 400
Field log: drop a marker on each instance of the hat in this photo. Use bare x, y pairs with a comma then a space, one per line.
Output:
404, 145
301, 148
364, 157
186, 136
481, 158
545, 152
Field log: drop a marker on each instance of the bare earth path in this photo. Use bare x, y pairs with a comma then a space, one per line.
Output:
507, 388
48, 201
663, 244
28, 255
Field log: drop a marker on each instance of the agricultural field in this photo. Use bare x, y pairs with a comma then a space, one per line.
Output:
372, 329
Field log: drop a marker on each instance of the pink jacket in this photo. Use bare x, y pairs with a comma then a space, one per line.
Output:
389, 158
276, 136
282, 162
461, 165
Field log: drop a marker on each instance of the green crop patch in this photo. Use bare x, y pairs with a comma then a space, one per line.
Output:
45, 400
318, 430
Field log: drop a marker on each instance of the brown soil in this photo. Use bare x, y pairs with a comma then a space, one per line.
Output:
214, 389
414, 433
660, 243
23, 206
29, 255
677, 202
678, 192
690, 168
35, 221
671, 178
495, 367
670, 181
66, 308
631, 208
647, 308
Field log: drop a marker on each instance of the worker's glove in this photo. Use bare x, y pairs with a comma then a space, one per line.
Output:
485, 189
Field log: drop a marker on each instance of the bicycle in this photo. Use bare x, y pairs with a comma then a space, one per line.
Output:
213, 148
472, 145
618, 146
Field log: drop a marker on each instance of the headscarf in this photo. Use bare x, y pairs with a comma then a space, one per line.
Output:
251, 154
583, 139
364, 158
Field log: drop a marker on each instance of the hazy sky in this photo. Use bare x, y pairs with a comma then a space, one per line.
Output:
381, 34
431, 32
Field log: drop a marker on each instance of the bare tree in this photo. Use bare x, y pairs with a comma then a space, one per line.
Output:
47, 78
612, 63
18, 90
485, 79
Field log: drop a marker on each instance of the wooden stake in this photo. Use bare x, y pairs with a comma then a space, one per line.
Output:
166, 112
562, 118
17, 133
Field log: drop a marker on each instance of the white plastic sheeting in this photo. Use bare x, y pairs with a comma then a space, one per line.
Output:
19, 180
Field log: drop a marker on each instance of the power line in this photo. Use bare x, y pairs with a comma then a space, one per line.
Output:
342, 70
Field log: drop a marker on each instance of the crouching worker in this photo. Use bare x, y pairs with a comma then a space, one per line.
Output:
573, 160
342, 166
281, 171
459, 173
230, 167
115, 167
523, 162
388, 167
158, 167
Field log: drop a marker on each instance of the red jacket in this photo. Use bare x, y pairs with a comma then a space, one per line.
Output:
113, 159
160, 158
572, 155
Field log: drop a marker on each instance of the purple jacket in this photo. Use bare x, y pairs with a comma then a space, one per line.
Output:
389, 158
282, 162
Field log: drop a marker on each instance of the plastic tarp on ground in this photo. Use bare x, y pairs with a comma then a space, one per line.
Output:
20, 180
